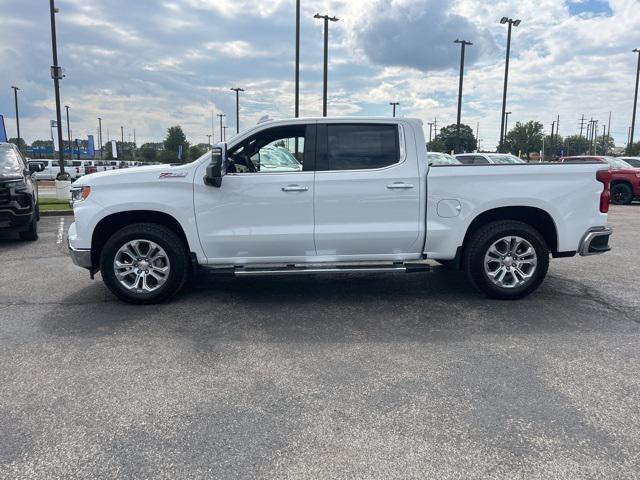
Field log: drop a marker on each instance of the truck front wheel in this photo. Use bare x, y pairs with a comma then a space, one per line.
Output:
144, 263
506, 259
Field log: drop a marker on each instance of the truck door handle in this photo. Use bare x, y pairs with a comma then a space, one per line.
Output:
399, 185
294, 188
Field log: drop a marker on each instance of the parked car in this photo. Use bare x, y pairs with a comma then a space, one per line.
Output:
633, 161
625, 179
51, 168
18, 193
488, 158
436, 158
366, 200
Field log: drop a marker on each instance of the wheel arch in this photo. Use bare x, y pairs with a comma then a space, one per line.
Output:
536, 217
110, 224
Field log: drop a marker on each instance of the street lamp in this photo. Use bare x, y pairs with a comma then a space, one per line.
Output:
15, 94
67, 107
463, 44
635, 103
100, 135
56, 74
394, 105
506, 122
221, 132
297, 81
209, 140
237, 90
326, 19
511, 23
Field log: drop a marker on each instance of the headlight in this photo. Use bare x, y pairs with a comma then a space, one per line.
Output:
78, 194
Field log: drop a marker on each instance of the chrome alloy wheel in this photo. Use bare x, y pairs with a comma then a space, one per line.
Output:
510, 262
141, 266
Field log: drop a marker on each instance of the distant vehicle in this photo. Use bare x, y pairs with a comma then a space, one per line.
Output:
52, 168
365, 200
18, 193
488, 158
633, 161
436, 159
625, 179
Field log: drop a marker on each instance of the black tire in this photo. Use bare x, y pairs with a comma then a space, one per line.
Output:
31, 234
478, 246
173, 246
621, 194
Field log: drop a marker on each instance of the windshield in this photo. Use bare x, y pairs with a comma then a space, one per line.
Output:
616, 162
505, 159
9, 163
435, 158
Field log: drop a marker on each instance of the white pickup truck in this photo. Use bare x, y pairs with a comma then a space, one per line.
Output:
334, 195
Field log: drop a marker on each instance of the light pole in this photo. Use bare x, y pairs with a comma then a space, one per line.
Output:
56, 74
67, 107
511, 23
463, 44
122, 141
430, 131
15, 95
221, 132
238, 90
506, 124
224, 133
297, 92
394, 105
100, 135
635, 102
209, 140
326, 19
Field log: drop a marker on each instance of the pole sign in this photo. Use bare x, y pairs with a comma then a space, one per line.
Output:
91, 149
54, 135
3, 130
114, 149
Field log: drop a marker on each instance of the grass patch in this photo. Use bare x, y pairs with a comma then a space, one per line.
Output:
52, 201
54, 206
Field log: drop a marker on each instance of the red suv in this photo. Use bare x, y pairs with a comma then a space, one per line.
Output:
625, 179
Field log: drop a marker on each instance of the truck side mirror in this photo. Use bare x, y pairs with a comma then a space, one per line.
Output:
35, 167
216, 169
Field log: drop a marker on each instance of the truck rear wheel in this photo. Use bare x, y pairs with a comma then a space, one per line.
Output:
31, 233
144, 263
506, 259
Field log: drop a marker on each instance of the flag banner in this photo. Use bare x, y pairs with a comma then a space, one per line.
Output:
114, 149
3, 130
179, 152
91, 149
54, 136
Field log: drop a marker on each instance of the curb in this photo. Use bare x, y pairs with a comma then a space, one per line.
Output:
57, 213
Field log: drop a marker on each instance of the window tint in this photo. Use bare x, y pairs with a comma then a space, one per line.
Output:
479, 160
356, 147
279, 149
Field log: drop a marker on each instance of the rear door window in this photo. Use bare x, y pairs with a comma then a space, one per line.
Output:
361, 147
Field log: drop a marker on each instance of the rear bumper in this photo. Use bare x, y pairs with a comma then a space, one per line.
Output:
595, 241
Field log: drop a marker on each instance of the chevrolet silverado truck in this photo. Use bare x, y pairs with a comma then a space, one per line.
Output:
334, 195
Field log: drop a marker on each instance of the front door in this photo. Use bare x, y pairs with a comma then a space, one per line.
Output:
263, 212
367, 193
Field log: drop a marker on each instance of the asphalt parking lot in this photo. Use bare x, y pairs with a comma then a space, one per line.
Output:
403, 376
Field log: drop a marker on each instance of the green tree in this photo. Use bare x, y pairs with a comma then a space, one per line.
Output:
524, 137
633, 150
553, 146
447, 138
576, 145
195, 152
148, 152
42, 143
22, 145
604, 145
436, 145
175, 138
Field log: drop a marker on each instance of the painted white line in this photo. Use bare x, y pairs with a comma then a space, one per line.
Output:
60, 231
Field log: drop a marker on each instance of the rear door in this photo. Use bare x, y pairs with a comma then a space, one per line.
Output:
367, 192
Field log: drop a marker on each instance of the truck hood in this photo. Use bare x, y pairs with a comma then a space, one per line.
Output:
134, 174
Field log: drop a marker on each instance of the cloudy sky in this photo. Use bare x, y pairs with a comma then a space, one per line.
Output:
151, 64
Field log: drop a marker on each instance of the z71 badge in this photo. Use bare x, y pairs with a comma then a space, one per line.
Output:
173, 175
